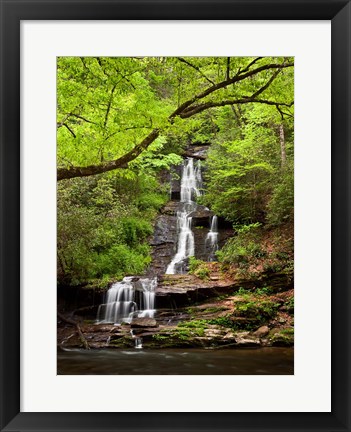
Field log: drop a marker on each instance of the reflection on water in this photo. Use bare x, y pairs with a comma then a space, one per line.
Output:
261, 361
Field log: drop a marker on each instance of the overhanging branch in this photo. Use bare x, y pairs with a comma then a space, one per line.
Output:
122, 162
185, 110
199, 108
223, 84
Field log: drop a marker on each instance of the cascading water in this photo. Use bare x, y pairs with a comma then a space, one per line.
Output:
212, 238
190, 188
132, 297
191, 181
138, 342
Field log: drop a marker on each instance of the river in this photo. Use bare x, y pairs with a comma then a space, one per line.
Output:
243, 361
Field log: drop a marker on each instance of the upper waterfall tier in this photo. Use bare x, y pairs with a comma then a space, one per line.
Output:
190, 188
191, 182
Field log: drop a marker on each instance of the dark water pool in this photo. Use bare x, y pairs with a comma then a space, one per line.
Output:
257, 361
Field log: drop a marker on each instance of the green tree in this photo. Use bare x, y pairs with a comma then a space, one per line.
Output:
110, 110
250, 161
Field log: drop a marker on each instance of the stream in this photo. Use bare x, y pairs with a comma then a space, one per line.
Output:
243, 361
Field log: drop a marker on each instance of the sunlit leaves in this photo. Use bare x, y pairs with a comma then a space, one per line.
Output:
106, 106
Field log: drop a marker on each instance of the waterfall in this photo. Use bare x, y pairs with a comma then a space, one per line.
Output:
132, 297
212, 238
191, 181
138, 342
148, 287
190, 188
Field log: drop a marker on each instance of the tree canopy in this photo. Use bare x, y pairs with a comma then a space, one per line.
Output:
112, 111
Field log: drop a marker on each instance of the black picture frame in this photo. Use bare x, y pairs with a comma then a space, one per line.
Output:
12, 12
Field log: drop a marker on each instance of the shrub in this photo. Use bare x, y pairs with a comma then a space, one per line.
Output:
135, 230
121, 260
198, 268
151, 201
188, 329
261, 310
227, 322
290, 305
193, 324
244, 247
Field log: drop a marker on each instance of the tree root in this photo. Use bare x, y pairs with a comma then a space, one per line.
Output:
77, 326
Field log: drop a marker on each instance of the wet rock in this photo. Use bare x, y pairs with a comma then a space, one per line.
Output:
80, 300
102, 328
282, 337
261, 332
184, 290
213, 332
170, 208
143, 322
165, 230
121, 342
163, 244
245, 340
197, 151
265, 342
274, 331
201, 216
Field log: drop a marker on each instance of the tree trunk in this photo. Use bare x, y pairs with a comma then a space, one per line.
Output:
282, 145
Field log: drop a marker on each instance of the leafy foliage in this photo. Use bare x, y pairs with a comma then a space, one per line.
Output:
103, 228
249, 169
242, 248
198, 268
107, 107
260, 310
281, 205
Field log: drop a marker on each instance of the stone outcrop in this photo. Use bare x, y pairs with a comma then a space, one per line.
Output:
143, 322
163, 243
182, 290
261, 332
170, 336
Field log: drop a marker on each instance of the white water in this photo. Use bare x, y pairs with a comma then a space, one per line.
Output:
212, 238
127, 299
138, 342
190, 188
191, 181
148, 287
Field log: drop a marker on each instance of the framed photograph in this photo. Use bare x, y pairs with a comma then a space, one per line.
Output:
175, 215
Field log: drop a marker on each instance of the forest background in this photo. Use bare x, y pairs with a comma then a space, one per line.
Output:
122, 121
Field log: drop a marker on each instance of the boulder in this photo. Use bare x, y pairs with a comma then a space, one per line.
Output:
244, 339
201, 216
143, 322
261, 332
282, 337
247, 341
